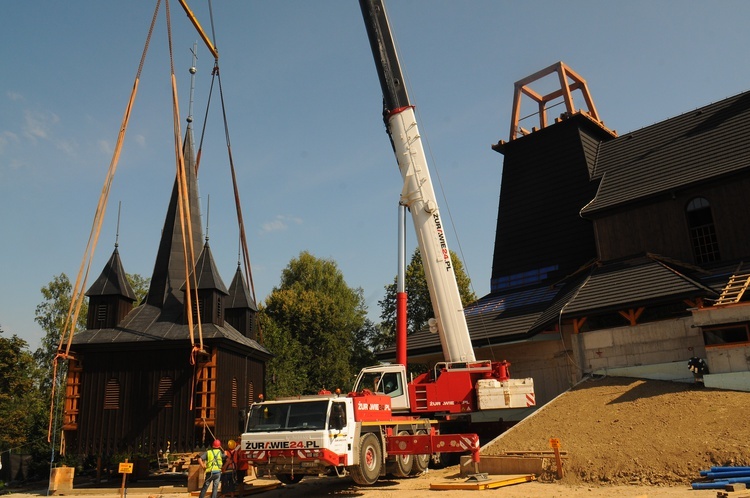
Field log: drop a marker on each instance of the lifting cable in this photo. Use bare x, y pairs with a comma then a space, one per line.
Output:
216, 76
77, 294
183, 201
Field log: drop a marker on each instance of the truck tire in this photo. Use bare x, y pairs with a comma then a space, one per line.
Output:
421, 462
400, 465
289, 478
370, 461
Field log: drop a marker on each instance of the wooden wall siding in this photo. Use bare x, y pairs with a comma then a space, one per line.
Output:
545, 183
140, 424
242, 320
246, 371
660, 226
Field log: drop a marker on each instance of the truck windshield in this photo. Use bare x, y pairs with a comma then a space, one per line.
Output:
305, 415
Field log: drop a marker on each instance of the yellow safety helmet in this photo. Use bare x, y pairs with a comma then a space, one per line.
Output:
231, 444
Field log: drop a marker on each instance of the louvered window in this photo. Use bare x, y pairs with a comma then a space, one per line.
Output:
112, 395
166, 392
702, 231
101, 315
250, 394
234, 392
198, 304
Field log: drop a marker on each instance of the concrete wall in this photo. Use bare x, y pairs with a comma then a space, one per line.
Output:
676, 371
737, 381
727, 359
721, 315
646, 344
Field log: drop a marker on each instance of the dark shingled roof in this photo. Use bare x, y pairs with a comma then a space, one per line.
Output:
601, 288
699, 145
112, 281
208, 275
169, 269
491, 319
634, 282
239, 294
146, 324
507, 315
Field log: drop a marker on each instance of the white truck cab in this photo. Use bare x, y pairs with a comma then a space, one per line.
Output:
300, 436
386, 379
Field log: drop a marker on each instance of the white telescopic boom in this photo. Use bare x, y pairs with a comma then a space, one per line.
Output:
419, 196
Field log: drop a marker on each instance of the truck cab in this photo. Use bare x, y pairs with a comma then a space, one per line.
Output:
306, 435
386, 379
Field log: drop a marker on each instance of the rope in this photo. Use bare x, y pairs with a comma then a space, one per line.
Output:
101, 208
184, 205
205, 120
237, 204
216, 76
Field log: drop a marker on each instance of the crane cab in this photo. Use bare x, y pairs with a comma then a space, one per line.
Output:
386, 379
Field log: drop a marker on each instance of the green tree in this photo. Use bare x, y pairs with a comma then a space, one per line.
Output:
314, 309
287, 370
365, 344
419, 305
140, 286
51, 315
19, 395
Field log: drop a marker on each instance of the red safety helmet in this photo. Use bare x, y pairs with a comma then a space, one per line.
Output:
217, 443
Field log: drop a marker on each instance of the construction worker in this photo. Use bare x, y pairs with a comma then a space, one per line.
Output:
229, 471
243, 469
212, 462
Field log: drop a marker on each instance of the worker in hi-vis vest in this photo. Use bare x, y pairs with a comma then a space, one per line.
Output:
212, 462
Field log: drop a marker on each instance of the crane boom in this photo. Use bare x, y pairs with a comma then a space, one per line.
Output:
418, 193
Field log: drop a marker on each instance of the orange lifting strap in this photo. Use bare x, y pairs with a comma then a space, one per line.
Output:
77, 295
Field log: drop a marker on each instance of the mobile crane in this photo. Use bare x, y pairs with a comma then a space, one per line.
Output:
388, 425
460, 384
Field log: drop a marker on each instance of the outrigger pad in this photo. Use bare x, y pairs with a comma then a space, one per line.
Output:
479, 477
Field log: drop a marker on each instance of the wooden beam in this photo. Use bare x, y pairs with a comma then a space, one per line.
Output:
694, 303
632, 315
569, 82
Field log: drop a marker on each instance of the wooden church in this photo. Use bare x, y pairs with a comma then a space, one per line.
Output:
138, 383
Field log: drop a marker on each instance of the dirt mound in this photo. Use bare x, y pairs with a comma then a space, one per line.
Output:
620, 430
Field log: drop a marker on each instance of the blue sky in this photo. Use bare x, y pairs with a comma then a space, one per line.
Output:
315, 168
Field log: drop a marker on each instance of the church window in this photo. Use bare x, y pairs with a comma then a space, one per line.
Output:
702, 231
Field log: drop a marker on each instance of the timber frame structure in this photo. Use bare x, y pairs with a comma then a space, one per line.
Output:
135, 384
564, 76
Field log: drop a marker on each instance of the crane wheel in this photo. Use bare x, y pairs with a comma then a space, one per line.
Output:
421, 462
370, 461
400, 465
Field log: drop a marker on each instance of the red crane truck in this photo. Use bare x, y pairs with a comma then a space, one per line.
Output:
387, 424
